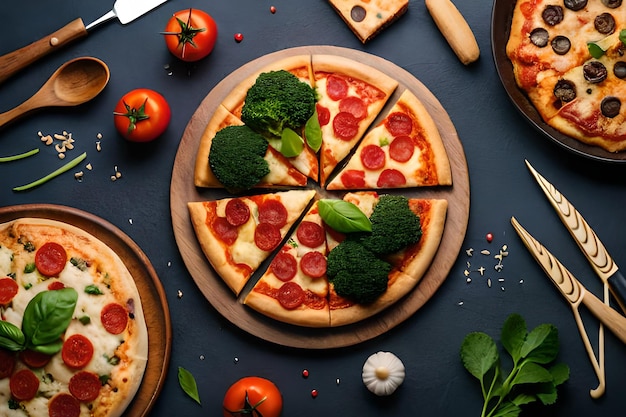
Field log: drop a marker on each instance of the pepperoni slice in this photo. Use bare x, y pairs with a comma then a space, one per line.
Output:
311, 234
373, 157
313, 264
114, 318
284, 266
273, 212
50, 259
77, 351
7, 363
355, 106
224, 230
267, 236
85, 386
290, 295
34, 359
323, 114
353, 178
336, 87
24, 385
8, 290
56, 285
63, 405
401, 148
399, 124
237, 212
390, 178
345, 125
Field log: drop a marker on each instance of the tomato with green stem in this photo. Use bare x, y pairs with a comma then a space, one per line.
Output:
142, 115
253, 396
190, 34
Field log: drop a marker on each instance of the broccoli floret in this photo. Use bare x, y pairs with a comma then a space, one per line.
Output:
356, 273
394, 226
278, 99
237, 157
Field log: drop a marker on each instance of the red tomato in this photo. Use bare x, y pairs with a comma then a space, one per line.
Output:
190, 34
253, 396
142, 115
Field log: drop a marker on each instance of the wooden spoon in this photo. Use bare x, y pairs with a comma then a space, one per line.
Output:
75, 82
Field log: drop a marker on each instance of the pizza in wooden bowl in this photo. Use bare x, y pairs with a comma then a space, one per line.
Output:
73, 337
568, 59
316, 151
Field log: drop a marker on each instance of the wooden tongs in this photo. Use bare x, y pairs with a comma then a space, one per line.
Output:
570, 287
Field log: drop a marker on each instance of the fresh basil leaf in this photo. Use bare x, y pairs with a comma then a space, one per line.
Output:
93, 290
291, 143
532, 373
513, 335
11, 337
479, 354
541, 345
188, 384
47, 316
343, 216
313, 132
595, 50
622, 36
49, 348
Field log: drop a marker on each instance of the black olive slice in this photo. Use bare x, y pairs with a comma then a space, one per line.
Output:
539, 37
612, 4
619, 69
552, 15
565, 90
595, 72
561, 45
358, 13
604, 23
610, 106
575, 5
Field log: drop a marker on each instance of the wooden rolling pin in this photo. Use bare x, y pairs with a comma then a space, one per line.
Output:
455, 29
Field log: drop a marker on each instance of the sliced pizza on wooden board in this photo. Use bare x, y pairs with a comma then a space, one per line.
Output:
237, 234
403, 150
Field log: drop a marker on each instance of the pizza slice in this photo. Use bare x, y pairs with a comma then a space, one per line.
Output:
281, 172
405, 267
367, 18
294, 289
238, 234
350, 96
404, 150
300, 66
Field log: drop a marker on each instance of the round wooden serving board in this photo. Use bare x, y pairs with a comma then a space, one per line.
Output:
152, 295
219, 295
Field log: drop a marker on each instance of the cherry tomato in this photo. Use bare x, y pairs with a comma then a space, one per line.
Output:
142, 115
190, 34
253, 396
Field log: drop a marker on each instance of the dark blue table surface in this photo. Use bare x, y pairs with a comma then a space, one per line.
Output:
496, 139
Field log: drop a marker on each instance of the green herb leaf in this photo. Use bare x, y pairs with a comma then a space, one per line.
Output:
343, 216
71, 164
541, 345
530, 373
595, 50
11, 337
188, 384
291, 143
479, 354
513, 336
19, 156
48, 348
622, 36
93, 289
47, 316
313, 132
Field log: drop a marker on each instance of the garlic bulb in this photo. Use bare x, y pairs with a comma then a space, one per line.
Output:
383, 373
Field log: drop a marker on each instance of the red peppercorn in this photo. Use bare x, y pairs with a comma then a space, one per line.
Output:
489, 237
238, 37
305, 373
314, 393
273, 9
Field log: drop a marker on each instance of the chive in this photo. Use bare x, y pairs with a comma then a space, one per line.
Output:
19, 156
71, 164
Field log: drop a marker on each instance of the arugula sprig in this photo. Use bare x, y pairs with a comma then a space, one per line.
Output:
532, 378
46, 318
